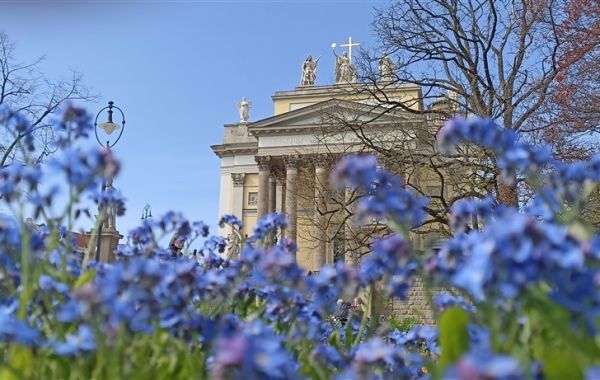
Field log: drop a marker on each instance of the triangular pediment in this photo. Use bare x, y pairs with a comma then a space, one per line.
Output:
333, 111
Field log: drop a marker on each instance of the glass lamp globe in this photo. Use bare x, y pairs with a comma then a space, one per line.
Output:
109, 127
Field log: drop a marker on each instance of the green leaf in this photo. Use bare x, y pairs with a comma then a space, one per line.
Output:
84, 279
20, 364
560, 364
454, 338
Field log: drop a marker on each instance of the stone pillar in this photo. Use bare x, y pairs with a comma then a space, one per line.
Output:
320, 217
351, 230
109, 235
238, 194
264, 169
280, 184
108, 243
291, 195
272, 193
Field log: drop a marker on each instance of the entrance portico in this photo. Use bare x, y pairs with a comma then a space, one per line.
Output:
282, 163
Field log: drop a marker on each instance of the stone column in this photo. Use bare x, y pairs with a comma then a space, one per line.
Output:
351, 231
291, 195
108, 244
320, 207
280, 184
264, 169
238, 194
272, 193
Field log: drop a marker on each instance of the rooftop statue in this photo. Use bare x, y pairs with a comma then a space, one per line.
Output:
386, 68
244, 108
309, 71
345, 71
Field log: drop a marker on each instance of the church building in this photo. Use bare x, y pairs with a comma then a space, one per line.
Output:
282, 163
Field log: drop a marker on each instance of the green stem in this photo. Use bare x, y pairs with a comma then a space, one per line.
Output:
365, 317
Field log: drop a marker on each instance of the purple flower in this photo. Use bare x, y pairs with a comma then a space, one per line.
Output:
385, 198
417, 339
269, 224
109, 199
83, 341
333, 283
199, 228
231, 220
512, 156
485, 365
376, 356
390, 257
254, 352
12, 120
375, 351
592, 373
329, 356
48, 284
446, 300
463, 210
355, 171
83, 169
71, 123
511, 253
14, 330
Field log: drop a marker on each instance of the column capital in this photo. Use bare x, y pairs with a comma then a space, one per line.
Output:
263, 162
321, 161
278, 172
291, 162
238, 179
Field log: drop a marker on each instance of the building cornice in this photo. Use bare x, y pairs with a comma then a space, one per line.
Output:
277, 124
341, 90
223, 150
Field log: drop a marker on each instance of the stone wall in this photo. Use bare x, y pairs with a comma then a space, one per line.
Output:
416, 306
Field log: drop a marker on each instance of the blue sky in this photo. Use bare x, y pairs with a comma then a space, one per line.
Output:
178, 70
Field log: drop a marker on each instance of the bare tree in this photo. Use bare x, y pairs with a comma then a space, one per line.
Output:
25, 89
494, 58
406, 146
571, 115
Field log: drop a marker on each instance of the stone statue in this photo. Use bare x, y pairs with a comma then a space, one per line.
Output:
309, 71
386, 68
233, 246
244, 108
110, 215
345, 72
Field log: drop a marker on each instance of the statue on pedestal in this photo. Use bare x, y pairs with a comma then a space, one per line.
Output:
309, 71
345, 72
244, 108
386, 68
233, 245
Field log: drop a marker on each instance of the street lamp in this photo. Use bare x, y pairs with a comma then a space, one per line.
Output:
109, 127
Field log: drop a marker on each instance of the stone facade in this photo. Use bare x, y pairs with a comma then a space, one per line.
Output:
282, 163
416, 306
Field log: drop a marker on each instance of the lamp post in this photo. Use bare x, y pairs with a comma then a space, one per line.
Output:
109, 127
